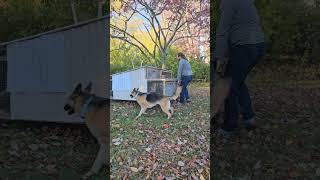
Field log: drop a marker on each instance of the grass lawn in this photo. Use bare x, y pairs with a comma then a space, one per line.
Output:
144, 149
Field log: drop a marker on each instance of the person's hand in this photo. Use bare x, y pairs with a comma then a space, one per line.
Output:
222, 66
179, 83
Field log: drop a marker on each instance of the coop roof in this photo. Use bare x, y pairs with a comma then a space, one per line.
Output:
142, 67
56, 30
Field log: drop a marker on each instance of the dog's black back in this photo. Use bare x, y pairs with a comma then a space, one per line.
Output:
153, 97
100, 101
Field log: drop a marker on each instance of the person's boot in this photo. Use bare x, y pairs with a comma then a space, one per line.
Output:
250, 124
188, 101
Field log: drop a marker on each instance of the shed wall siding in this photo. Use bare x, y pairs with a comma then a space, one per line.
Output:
86, 57
72, 56
40, 107
123, 83
37, 65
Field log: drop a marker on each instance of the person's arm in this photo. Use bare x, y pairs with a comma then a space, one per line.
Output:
179, 71
222, 34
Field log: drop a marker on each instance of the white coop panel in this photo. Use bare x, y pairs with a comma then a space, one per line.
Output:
147, 79
40, 109
42, 70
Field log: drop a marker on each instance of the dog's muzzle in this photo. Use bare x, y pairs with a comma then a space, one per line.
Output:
69, 109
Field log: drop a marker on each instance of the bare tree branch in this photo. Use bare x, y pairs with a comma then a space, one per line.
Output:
182, 37
162, 34
133, 44
152, 24
74, 13
150, 35
125, 33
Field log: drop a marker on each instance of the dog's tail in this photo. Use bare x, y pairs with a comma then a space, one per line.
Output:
177, 93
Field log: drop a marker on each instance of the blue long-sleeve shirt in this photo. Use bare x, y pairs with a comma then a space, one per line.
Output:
184, 69
239, 25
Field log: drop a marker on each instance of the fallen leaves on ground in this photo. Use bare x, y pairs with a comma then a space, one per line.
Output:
155, 147
286, 144
46, 151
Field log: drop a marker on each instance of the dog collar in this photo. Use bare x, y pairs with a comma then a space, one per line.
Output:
84, 109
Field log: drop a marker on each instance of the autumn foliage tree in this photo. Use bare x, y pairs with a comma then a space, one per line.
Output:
163, 21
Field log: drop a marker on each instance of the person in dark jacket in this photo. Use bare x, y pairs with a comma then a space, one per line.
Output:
184, 77
239, 46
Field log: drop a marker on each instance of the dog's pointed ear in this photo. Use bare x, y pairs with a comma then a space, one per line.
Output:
78, 88
89, 87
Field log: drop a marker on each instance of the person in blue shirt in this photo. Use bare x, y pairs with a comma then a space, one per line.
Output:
240, 45
184, 77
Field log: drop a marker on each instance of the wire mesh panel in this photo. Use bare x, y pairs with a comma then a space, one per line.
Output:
166, 74
155, 87
170, 88
155, 73
166, 88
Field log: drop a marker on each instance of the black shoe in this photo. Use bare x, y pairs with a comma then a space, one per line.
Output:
250, 124
224, 134
181, 103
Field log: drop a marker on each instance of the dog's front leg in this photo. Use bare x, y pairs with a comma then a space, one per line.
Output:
141, 112
100, 160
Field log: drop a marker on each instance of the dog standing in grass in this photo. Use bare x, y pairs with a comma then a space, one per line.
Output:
149, 100
94, 111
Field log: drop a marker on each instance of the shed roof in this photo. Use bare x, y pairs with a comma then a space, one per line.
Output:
56, 30
140, 68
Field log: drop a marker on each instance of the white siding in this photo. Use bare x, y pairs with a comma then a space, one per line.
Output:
40, 107
44, 70
86, 57
123, 83
37, 65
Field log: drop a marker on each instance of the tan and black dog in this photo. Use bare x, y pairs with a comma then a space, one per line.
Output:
149, 100
94, 110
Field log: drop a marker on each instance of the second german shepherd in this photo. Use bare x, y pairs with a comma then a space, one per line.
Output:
149, 100
94, 111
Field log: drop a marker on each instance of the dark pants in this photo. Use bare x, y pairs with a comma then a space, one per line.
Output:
242, 59
184, 95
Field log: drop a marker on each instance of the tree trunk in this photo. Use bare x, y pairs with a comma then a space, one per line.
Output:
74, 14
315, 49
163, 59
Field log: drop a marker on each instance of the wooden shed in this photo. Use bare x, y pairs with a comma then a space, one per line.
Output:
146, 78
43, 69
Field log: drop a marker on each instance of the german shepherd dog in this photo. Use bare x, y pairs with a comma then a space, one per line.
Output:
94, 111
149, 100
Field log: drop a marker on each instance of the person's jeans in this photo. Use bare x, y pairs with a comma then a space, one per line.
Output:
184, 95
242, 59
